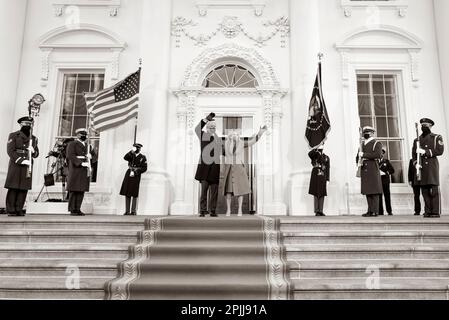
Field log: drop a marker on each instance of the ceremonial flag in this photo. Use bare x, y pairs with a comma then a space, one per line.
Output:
116, 105
318, 123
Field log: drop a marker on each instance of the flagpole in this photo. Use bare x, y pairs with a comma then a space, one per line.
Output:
137, 118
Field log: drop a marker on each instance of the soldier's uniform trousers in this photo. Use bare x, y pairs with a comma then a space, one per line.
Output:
75, 201
15, 200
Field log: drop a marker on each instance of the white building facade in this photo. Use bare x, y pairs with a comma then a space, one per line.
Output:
386, 64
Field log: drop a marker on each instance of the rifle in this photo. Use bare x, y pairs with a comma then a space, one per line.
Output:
418, 155
360, 164
89, 168
30, 155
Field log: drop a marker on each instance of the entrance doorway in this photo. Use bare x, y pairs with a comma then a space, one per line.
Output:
245, 127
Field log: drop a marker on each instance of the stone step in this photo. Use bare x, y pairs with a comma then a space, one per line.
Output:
63, 251
366, 237
306, 269
55, 288
58, 267
72, 223
128, 237
317, 224
346, 251
358, 289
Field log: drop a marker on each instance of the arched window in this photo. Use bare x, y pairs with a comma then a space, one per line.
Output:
230, 76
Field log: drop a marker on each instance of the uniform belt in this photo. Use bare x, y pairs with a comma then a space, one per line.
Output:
133, 168
22, 151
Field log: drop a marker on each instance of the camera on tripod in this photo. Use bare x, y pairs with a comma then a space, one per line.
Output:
58, 168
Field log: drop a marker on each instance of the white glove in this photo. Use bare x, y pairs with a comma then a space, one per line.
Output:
361, 154
85, 165
31, 149
421, 151
26, 163
89, 156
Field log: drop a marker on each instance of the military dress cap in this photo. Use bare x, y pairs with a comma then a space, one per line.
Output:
427, 121
25, 120
81, 131
138, 145
368, 129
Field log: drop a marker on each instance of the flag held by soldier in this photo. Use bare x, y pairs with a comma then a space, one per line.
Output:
318, 123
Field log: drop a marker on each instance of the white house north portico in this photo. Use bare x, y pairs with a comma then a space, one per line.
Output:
253, 63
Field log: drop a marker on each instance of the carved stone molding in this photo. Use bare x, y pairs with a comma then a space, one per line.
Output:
231, 27
204, 6
400, 6
199, 68
45, 63
112, 6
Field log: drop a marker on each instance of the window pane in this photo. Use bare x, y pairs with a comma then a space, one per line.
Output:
80, 105
398, 176
392, 106
366, 121
395, 148
378, 85
230, 76
79, 122
65, 126
393, 127
381, 125
83, 84
363, 87
390, 87
379, 106
365, 106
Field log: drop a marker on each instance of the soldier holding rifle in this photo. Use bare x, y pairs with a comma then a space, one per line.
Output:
21, 145
426, 150
80, 156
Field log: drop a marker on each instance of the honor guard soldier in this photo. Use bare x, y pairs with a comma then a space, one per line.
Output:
431, 146
319, 178
386, 171
370, 172
137, 165
79, 159
22, 149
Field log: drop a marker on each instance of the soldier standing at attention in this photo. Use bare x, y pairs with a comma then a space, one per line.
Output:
18, 181
137, 164
431, 147
386, 171
370, 172
79, 161
416, 188
319, 178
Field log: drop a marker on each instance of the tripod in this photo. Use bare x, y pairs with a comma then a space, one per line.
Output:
57, 166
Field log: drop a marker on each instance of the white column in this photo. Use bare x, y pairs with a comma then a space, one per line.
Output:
305, 45
272, 173
441, 27
183, 204
12, 24
152, 133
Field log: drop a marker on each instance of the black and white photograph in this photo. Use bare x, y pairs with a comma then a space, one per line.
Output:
225, 152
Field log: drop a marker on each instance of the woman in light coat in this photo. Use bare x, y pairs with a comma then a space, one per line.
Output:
234, 180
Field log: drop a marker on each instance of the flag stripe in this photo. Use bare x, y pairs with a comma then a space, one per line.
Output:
114, 106
109, 96
115, 109
117, 121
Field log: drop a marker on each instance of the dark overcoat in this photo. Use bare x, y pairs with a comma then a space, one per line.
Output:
77, 179
138, 164
211, 150
370, 172
320, 174
17, 149
433, 145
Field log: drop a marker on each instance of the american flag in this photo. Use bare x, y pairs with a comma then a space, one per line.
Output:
116, 105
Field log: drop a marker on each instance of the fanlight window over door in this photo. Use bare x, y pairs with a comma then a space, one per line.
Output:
230, 76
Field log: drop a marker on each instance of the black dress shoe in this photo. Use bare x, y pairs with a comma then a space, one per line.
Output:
390, 214
13, 214
133, 214
320, 214
22, 213
203, 214
417, 214
433, 216
214, 215
370, 215
127, 214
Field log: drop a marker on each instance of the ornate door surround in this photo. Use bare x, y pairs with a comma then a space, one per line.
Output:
188, 113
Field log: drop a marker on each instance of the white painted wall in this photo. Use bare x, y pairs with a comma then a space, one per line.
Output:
10, 63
